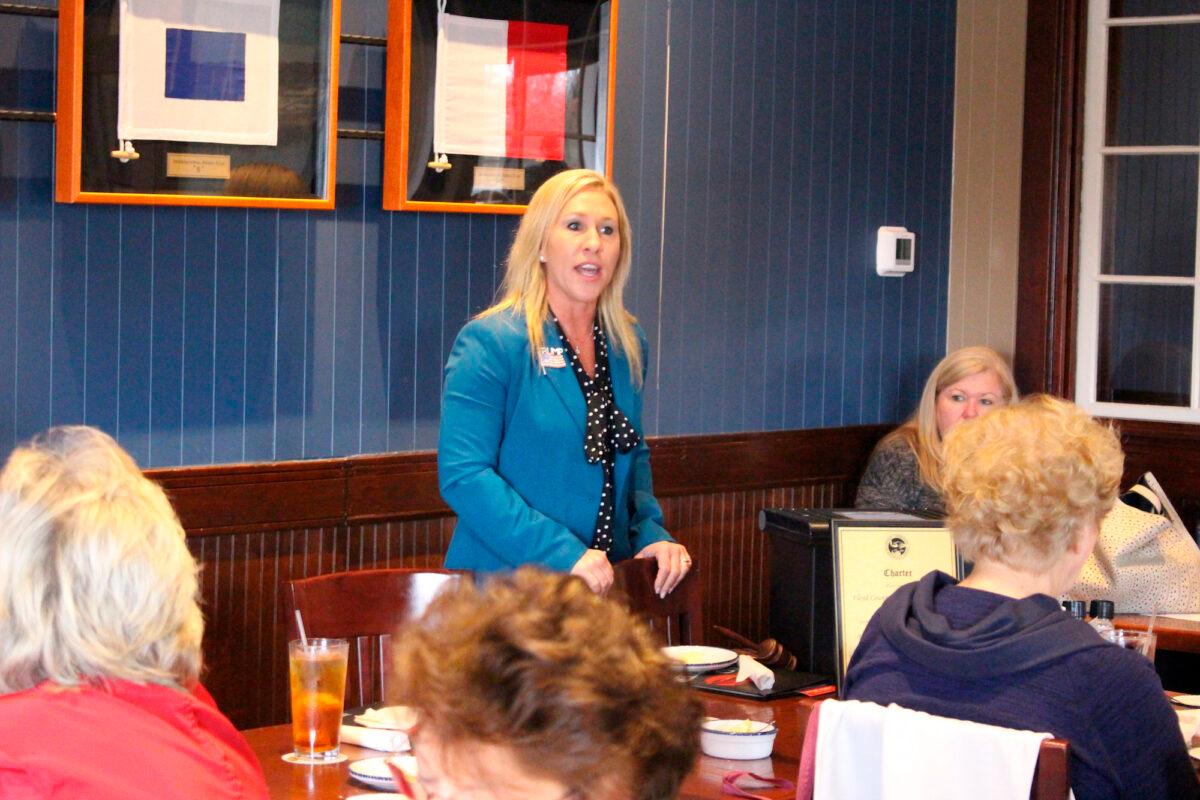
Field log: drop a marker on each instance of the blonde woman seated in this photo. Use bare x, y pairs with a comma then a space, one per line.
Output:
100, 636
1026, 488
531, 687
904, 472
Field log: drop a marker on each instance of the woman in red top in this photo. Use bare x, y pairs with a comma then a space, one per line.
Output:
100, 636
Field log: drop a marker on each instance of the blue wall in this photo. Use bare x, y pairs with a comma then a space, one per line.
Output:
791, 131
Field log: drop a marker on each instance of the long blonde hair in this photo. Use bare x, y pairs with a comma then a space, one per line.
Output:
524, 287
920, 431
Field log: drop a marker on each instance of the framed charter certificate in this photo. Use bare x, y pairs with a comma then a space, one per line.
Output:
874, 554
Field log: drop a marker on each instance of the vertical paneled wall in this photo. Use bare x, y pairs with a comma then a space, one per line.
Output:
791, 132
759, 146
988, 103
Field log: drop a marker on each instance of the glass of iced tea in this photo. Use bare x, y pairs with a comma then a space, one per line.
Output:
317, 672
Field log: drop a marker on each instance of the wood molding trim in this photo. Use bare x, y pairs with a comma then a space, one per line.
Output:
1050, 163
392, 487
250, 497
685, 465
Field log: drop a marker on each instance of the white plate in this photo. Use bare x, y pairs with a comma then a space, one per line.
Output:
392, 718
1189, 700
374, 772
698, 658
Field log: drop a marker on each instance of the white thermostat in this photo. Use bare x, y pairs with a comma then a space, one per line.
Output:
895, 251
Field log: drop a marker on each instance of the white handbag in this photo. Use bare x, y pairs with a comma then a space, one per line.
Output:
1144, 562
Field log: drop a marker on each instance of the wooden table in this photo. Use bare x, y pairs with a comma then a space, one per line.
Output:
790, 715
1180, 635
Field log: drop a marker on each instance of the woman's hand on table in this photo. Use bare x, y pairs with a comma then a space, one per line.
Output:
673, 563
594, 567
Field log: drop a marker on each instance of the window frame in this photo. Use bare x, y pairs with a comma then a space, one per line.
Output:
1092, 201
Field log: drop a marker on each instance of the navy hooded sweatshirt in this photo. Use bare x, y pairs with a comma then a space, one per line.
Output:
956, 652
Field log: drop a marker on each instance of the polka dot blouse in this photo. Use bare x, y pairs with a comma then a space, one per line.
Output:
608, 430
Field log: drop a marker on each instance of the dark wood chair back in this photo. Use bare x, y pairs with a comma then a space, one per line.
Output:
364, 607
1051, 780
677, 618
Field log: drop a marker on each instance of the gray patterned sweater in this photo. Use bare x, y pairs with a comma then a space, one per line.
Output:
892, 481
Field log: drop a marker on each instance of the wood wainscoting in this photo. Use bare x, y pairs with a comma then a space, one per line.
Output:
253, 527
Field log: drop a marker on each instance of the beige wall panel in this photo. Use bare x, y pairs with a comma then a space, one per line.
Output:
986, 186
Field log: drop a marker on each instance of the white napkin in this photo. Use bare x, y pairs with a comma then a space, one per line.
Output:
926, 756
867, 752
394, 718
1189, 723
849, 738
762, 677
376, 738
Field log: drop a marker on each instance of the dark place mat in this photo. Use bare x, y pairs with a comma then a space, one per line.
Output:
786, 682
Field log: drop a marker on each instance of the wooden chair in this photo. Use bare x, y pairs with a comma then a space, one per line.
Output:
1051, 780
677, 618
364, 607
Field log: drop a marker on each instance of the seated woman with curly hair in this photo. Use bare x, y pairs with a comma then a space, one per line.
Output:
100, 636
531, 687
1026, 487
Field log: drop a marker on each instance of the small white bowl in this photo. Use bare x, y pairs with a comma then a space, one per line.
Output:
740, 739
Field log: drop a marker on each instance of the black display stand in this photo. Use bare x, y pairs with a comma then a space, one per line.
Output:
802, 610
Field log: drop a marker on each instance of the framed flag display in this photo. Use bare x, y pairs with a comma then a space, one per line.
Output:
178, 102
486, 99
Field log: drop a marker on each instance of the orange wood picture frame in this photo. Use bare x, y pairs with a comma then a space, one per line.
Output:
397, 118
68, 155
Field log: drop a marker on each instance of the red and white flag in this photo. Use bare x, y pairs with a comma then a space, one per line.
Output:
501, 88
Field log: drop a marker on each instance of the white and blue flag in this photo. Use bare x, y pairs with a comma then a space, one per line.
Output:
199, 71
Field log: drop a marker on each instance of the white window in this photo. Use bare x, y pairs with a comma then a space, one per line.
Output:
1138, 342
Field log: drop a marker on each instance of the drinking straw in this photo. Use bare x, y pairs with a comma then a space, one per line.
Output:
1153, 618
300, 625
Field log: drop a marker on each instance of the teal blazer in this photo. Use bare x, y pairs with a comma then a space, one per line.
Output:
510, 455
